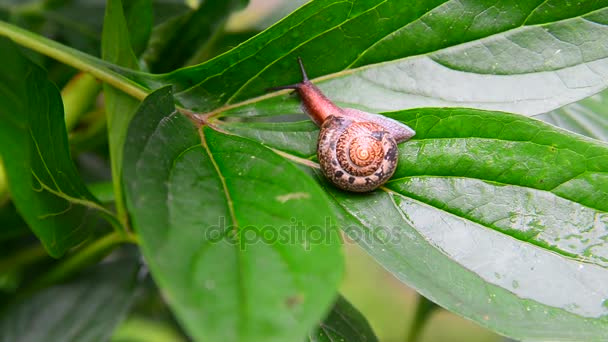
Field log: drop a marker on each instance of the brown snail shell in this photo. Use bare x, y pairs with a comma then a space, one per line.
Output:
357, 151
356, 156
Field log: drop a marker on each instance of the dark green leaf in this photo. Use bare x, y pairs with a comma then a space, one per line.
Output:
344, 323
588, 117
497, 217
43, 181
176, 40
239, 240
116, 44
12, 224
523, 56
85, 309
120, 107
139, 18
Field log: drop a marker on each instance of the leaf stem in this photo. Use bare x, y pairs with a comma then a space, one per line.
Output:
424, 309
72, 57
78, 96
88, 255
111, 217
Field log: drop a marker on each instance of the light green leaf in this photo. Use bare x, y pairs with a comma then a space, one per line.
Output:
588, 116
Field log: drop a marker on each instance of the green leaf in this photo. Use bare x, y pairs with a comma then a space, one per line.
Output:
240, 241
497, 217
527, 57
44, 184
139, 19
344, 323
588, 116
176, 40
116, 44
120, 107
85, 309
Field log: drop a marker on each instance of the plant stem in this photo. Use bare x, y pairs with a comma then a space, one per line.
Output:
3, 184
78, 96
88, 255
72, 57
424, 308
23, 258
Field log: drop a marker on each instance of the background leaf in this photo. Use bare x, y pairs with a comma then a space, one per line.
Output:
43, 181
177, 40
235, 229
120, 107
344, 323
139, 16
85, 309
588, 116
280, 11
78, 23
482, 210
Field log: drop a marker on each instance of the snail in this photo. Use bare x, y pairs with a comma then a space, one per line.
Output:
357, 151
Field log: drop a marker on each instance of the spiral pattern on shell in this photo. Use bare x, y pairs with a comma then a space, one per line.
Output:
356, 156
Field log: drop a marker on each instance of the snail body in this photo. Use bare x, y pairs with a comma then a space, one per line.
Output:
357, 151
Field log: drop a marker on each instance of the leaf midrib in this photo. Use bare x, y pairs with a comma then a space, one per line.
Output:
242, 300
